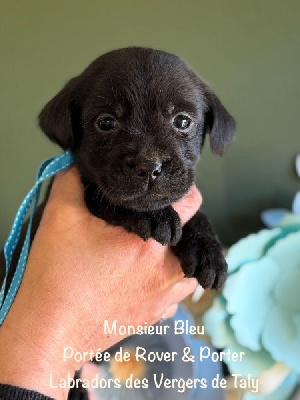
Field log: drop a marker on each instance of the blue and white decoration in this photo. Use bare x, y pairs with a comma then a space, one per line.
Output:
259, 310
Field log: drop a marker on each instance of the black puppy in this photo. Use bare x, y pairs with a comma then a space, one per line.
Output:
136, 121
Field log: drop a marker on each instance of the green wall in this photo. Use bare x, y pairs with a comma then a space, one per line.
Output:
247, 50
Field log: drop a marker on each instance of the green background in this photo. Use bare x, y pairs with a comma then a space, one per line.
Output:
247, 50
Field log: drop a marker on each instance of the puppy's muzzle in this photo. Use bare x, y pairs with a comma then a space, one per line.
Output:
142, 168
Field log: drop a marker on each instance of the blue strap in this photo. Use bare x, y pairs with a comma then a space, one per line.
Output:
48, 169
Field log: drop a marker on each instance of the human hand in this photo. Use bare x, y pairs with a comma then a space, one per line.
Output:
81, 272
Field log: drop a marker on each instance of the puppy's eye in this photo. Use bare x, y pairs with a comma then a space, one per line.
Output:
106, 124
182, 122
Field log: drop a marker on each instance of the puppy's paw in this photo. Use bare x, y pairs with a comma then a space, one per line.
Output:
211, 268
166, 226
205, 262
162, 225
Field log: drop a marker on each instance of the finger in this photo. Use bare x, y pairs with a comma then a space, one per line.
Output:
165, 313
89, 371
67, 186
188, 205
181, 290
170, 311
176, 294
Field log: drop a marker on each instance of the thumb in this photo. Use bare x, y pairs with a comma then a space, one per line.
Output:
188, 205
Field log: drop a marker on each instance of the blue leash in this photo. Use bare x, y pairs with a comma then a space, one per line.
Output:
48, 169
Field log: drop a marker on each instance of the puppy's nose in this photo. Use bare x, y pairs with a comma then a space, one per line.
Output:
144, 168
149, 169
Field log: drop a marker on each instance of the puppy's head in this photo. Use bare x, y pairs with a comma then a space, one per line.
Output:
136, 120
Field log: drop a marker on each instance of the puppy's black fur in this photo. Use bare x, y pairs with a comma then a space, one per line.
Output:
135, 120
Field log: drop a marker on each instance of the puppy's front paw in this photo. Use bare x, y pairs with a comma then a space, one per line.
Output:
162, 225
211, 268
205, 262
166, 226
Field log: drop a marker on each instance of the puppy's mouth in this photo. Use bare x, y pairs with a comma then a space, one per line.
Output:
146, 201
137, 196
147, 188
145, 195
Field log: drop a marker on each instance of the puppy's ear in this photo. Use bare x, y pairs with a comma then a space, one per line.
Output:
58, 118
218, 123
